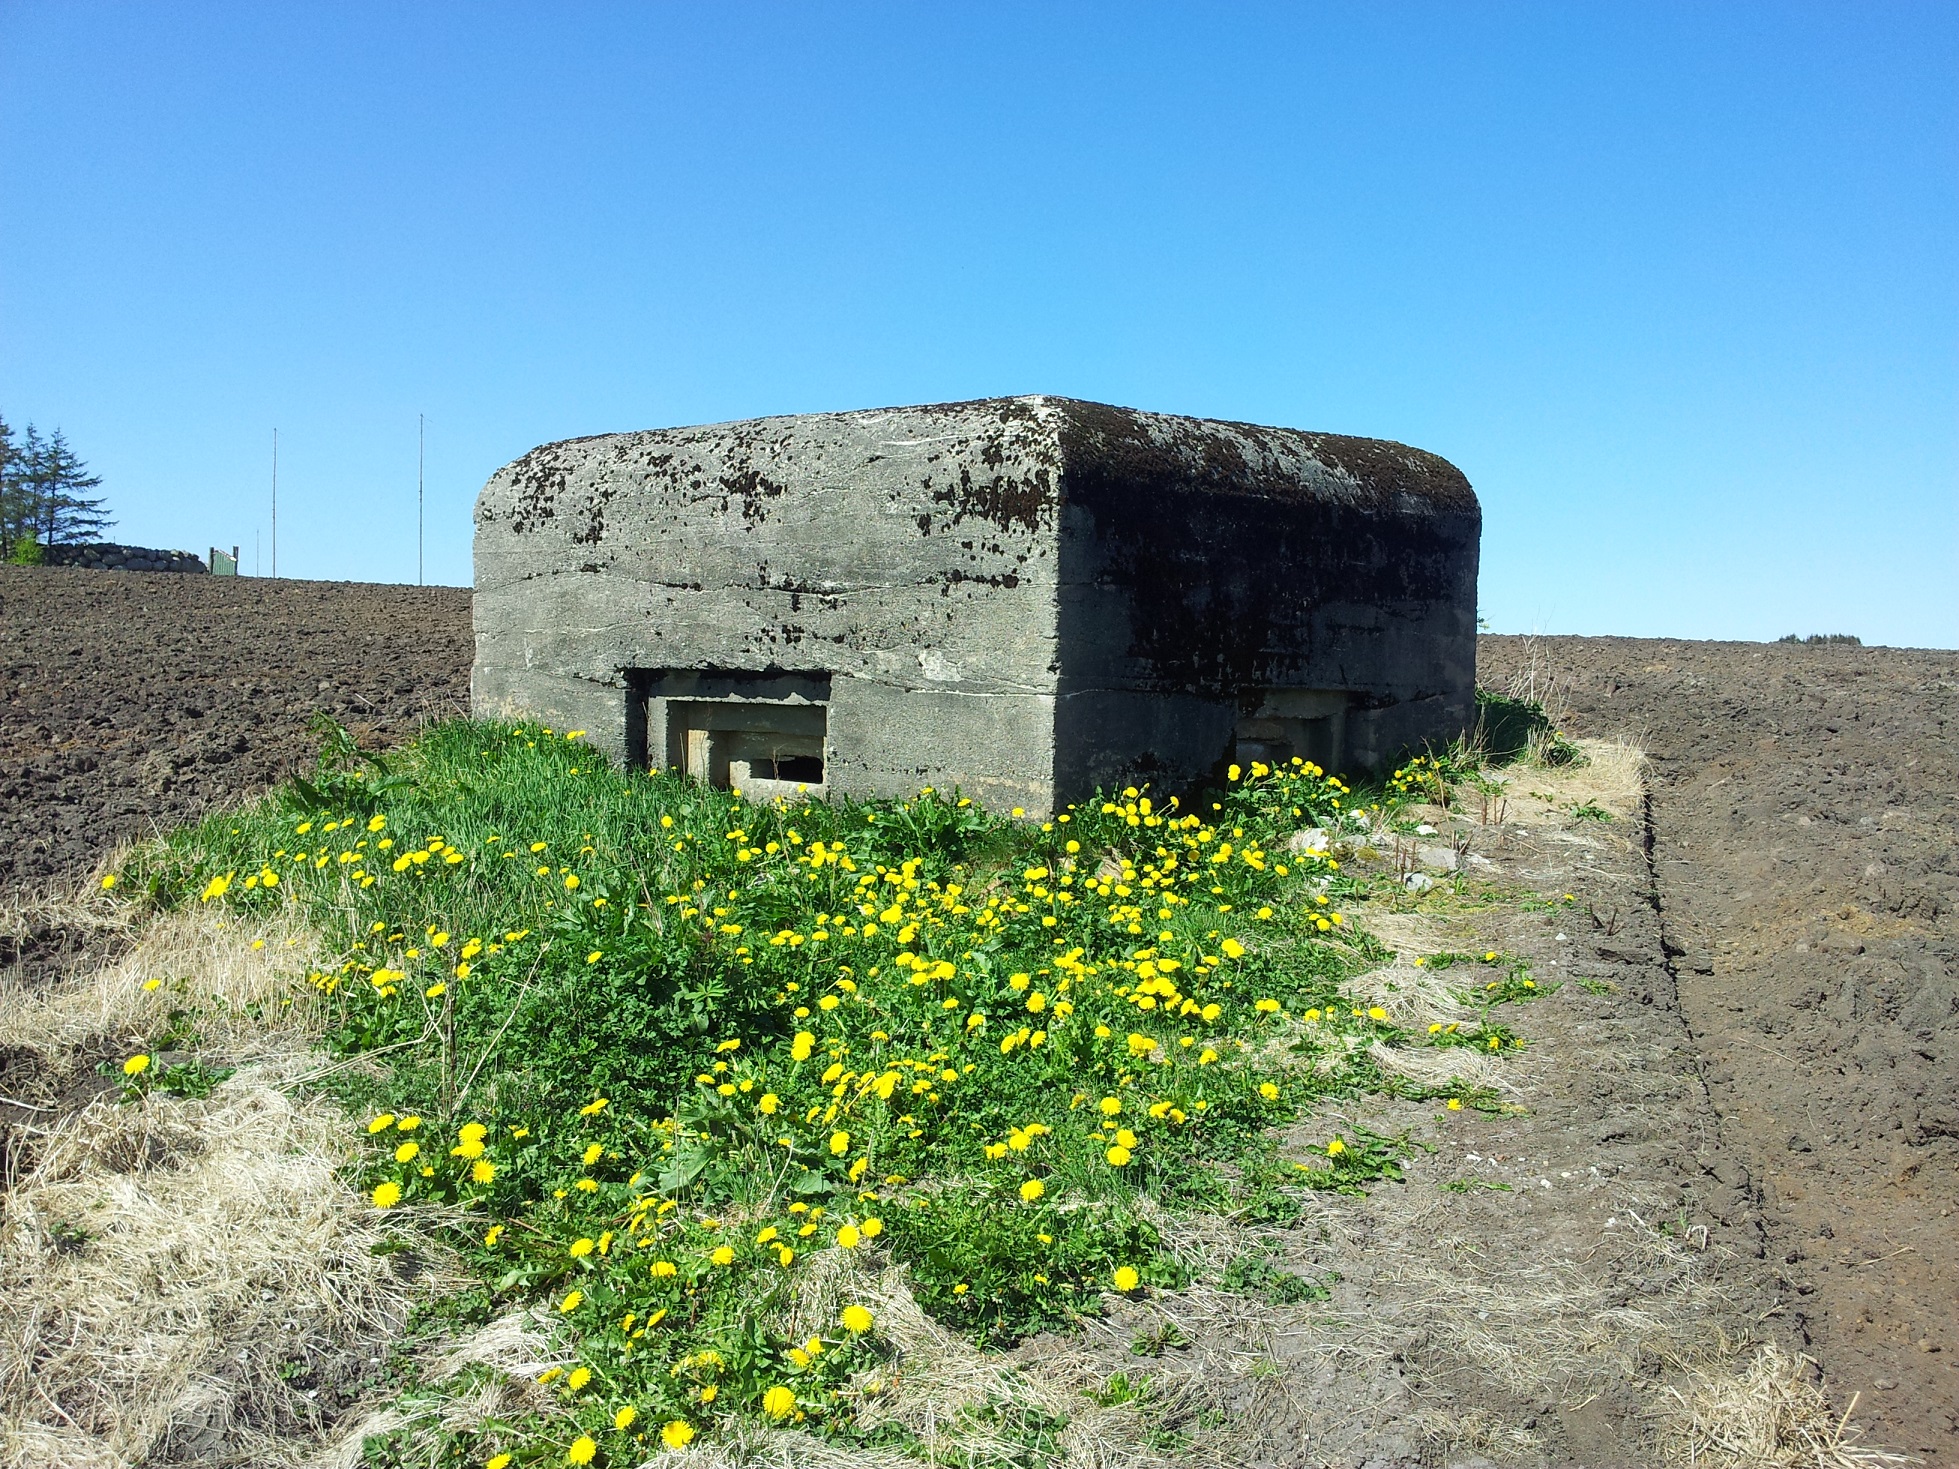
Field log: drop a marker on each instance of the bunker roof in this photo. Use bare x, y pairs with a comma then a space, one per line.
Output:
1093, 451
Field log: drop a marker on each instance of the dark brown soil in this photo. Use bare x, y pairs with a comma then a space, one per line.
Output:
136, 699
130, 701
1805, 805
1806, 854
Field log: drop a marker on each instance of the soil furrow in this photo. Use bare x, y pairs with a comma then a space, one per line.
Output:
1804, 802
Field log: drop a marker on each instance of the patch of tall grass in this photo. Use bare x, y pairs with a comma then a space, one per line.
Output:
675, 1059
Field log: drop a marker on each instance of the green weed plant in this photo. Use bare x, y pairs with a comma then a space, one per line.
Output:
663, 1049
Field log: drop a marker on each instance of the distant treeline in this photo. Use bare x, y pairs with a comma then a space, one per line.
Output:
44, 495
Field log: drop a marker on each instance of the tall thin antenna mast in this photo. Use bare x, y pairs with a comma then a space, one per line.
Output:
275, 503
421, 435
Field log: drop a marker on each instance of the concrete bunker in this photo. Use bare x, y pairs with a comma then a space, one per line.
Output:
1025, 598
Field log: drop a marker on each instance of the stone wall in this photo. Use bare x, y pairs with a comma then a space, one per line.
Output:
107, 556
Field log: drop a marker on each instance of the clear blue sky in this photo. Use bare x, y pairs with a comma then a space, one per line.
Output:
1676, 285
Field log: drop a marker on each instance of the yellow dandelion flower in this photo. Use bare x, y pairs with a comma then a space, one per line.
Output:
582, 1450
579, 1377
722, 1255
855, 1318
136, 1066
1126, 1279
677, 1434
623, 1419
778, 1402
572, 1302
387, 1195
848, 1237
1032, 1190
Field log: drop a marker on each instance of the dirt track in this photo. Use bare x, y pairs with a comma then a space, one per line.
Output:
1806, 820
1803, 810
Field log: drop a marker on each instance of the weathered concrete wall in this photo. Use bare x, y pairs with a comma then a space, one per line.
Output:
1205, 563
1021, 597
911, 554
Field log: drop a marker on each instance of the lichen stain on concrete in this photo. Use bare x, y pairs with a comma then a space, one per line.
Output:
753, 487
1010, 503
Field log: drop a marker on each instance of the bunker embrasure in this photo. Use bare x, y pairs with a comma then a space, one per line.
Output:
1023, 598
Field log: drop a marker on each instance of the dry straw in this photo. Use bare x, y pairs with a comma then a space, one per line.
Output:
1769, 1413
172, 1269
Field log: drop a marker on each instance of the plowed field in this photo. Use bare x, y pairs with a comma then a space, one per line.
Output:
132, 700
1805, 819
1803, 812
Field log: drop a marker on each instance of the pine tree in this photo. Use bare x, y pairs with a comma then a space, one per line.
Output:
7, 452
68, 514
44, 494
17, 503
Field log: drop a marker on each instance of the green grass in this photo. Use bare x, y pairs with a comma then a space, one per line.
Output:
662, 1048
